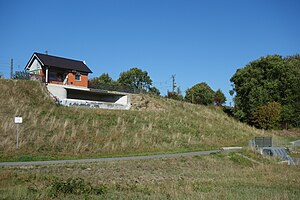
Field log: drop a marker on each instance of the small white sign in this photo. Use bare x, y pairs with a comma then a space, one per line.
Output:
18, 120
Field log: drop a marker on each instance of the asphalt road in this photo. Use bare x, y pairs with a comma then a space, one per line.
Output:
51, 162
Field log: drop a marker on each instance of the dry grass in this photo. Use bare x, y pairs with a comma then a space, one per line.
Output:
221, 176
55, 131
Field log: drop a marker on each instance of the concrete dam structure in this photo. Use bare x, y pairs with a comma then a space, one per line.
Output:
92, 98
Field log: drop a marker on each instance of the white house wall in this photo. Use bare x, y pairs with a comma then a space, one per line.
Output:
35, 66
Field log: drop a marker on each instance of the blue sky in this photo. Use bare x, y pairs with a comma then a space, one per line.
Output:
199, 41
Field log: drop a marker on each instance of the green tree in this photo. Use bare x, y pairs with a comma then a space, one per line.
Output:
153, 91
268, 79
219, 98
200, 93
136, 79
288, 115
291, 109
104, 81
267, 116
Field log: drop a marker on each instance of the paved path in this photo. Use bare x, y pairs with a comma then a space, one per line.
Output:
50, 162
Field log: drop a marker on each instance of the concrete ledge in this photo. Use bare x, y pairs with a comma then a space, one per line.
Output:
89, 98
93, 104
231, 148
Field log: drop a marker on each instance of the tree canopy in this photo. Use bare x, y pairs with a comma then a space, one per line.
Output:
153, 91
102, 82
267, 116
200, 93
268, 79
219, 98
136, 79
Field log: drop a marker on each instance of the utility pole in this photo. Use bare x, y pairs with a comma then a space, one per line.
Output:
11, 68
173, 83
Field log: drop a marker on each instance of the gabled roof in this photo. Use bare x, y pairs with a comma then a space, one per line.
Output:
58, 62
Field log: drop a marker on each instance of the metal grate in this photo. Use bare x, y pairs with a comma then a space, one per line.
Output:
263, 141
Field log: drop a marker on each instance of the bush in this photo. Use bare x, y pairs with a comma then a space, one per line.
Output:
175, 96
75, 186
21, 75
153, 91
267, 116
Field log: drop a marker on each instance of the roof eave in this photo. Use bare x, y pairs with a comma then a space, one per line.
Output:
31, 60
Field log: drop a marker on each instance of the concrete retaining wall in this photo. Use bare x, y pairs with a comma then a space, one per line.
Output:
94, 104
57, 90
84, 97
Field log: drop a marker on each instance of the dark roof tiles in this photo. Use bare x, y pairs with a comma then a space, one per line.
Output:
63, 63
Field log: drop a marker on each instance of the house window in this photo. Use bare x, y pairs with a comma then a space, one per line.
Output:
78, 77
52, 76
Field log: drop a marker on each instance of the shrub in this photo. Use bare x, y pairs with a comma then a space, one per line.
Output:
267, 116
75, 186
219, 98
21, 75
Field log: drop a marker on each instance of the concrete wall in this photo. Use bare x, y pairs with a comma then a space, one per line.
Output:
93, 104
83, 97
97, 96
57, 91
123, 100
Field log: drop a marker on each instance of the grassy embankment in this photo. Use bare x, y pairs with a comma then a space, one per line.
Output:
50, 131
55, 131
220, 176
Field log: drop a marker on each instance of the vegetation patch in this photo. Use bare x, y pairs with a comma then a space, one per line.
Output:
240, 160
75, 186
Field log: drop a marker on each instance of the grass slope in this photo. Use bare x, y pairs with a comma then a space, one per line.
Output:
50, 131
222, 176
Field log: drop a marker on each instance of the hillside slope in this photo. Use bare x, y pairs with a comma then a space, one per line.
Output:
52, 131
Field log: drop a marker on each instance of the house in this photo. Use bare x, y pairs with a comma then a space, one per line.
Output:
67, 82
58, 70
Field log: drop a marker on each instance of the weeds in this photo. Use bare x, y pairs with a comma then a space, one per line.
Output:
75, 186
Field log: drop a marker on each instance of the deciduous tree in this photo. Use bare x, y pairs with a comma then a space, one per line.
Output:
102, 82
219, 98
136, 79
267, 116
268, 79
200, 93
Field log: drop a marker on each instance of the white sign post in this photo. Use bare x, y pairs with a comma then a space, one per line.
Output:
18, 121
